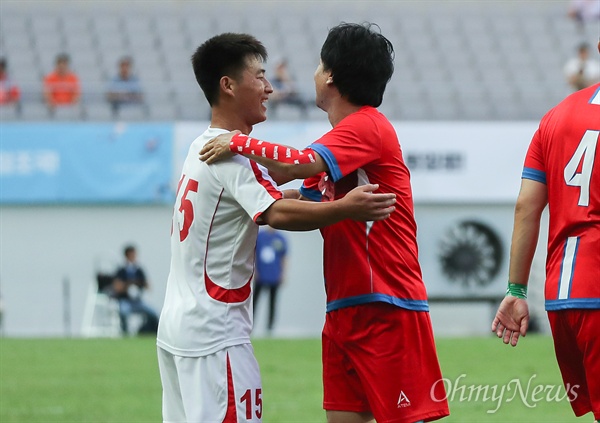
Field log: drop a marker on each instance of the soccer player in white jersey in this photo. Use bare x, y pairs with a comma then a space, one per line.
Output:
207, 365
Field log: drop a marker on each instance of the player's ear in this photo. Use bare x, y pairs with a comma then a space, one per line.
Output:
227, 85
329, 75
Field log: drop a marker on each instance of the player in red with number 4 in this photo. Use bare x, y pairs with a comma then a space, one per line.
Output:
562, 169
207, 365
379, 355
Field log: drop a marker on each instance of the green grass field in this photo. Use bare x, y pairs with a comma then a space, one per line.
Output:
110, 381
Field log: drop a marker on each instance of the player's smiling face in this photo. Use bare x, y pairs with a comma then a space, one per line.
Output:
252, 92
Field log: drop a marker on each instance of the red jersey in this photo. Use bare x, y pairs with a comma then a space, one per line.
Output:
368, 261
565, 155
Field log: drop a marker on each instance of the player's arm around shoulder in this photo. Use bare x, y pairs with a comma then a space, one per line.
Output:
286, 162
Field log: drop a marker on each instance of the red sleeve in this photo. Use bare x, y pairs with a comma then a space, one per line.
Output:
534, 159
535, 163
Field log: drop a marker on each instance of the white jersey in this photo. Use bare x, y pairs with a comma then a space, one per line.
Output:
213, 238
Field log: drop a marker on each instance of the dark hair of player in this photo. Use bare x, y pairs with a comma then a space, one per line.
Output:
361, 61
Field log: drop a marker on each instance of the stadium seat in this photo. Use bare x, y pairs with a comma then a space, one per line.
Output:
98, 111
162, 110
35, 111
499, 46
9, 113
133, 112
101, 313
68, 113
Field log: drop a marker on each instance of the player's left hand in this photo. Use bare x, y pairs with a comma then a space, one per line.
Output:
512, 319
217, 148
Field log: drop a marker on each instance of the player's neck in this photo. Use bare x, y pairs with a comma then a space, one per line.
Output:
339, 109
228, 121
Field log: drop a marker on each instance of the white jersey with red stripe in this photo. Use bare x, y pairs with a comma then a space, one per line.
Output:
213, 237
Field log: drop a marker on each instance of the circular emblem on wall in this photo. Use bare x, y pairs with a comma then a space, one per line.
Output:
470, 254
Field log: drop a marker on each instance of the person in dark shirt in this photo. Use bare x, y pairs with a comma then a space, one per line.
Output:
128, 285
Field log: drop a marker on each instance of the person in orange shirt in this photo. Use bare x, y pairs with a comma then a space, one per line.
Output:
9, 91
61, 87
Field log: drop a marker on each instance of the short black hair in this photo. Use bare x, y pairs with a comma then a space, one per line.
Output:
223, 55
128, 250
361, 61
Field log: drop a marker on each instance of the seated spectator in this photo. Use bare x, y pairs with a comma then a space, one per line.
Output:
9, 91
581, 71
124, 88
128, 285
61, 86
284, 89
582, 11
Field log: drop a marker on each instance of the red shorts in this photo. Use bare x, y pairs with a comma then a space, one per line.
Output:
576, 336
380, 358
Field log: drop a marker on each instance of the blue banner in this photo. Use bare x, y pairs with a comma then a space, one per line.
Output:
85, 163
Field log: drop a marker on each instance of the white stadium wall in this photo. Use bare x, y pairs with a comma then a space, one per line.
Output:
465, 179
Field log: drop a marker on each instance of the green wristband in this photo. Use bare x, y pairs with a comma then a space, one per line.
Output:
517, 290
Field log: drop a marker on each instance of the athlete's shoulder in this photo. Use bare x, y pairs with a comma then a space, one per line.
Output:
575, 104
208, 134
586, 96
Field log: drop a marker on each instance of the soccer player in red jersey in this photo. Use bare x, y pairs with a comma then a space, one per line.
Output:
562, 170
379, 355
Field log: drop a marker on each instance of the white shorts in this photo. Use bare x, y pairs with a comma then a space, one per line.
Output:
224, 387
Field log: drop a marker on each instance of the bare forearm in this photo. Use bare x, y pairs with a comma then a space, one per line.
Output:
531, 202
293, 194
359, 204
279, 178
296, 215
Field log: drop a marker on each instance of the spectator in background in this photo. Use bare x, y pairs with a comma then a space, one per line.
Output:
581, 71
128, 285
271, 251
124, 88
61, 86
9, 91
582, 11
284, 89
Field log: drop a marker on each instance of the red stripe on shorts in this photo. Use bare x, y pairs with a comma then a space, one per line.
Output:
231, 415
